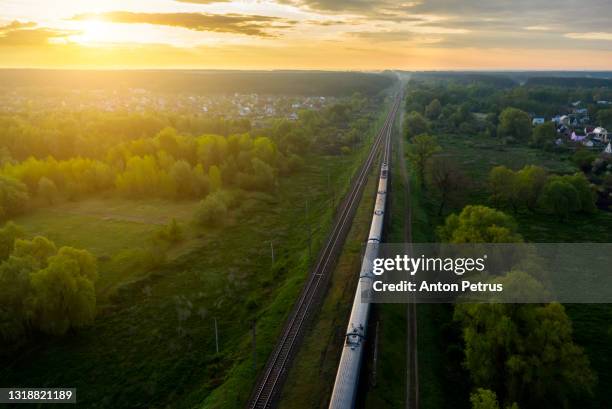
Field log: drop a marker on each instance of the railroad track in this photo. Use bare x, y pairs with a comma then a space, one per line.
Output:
268, 385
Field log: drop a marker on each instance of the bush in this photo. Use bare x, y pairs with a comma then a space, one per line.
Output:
211, 211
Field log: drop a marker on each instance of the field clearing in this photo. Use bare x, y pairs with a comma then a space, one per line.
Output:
105, 226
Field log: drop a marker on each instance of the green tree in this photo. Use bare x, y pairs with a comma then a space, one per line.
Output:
514, 123
62, 297
584, 159
530, 184
214, 178
13, 196
560, 198
47, 190
524, 352
503, 185
415, 124
8, 234
484, 399
212, 210
446, 179
434, 109
39, 249
544, 134
420, 150
604, 117
479, 224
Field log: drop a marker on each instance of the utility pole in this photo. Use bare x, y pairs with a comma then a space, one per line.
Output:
254, 347
216, 336
309, 234
272, 250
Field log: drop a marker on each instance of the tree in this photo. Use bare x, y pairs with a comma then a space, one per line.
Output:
422, 148
604, 117
445, 176
560, 198
212, 210
47, 190
584, 159
479, 224
39, 249
503, 186
13, 196
8, 234
62, 297
214, 178
514, 123
184, 179
530, 183
434, 109
544, 134
484, 399
524, 352
415, 124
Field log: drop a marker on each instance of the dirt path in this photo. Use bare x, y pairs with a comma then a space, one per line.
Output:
412, 379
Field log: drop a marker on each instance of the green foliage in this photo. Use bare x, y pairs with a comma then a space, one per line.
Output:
39, 249
584, 159
503, 185
524, 352
544, 135
212, 210
446, 179
484, 399
8, 234
604, 117
514, 123
415, 124
13, 196
434, 109
479, 224
171, 233
563, 195
47, 190
62, 296
44, 289
420, 150
532, 188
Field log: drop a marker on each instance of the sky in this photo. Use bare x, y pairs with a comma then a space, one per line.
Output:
308, 34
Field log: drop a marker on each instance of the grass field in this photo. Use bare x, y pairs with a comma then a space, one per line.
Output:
476, 156
153, 344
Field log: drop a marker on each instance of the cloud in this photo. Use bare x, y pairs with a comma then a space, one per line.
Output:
253, 25
28, 34
203, 1
590, 36
17, 25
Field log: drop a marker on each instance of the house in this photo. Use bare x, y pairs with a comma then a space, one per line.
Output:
600, 134
537, 121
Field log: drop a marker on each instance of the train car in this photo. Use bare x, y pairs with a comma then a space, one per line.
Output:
347, 377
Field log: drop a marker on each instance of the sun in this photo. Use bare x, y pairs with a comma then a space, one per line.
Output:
94, 32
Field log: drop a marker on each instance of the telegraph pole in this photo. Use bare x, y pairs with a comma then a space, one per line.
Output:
216, 336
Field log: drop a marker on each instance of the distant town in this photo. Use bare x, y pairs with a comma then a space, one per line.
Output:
251, 106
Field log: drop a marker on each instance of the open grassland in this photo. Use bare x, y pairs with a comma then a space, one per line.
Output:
153, 343
591, 323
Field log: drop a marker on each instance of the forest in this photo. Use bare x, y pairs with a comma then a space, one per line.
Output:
485, 173
203, 81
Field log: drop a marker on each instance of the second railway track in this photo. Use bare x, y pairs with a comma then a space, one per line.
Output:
268, 384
